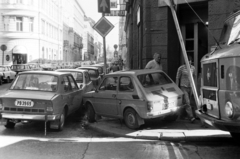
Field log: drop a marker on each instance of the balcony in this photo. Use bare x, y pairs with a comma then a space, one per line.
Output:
81, 46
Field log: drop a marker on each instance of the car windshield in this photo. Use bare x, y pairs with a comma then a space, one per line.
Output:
92, 73
153, 79
36, 82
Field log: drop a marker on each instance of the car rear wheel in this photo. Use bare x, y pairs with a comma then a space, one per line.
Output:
130, 119
1, 80
171, 118
61, 121
9, 124
90, 113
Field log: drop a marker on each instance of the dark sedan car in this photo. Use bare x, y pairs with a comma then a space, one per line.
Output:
93, 73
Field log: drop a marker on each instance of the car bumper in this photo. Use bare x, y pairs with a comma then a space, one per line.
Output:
152, 115
230, 126
29, 117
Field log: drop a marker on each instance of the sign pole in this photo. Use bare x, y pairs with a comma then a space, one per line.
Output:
184, 53
104, 50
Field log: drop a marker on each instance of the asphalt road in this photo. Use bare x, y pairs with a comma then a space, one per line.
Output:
28, 141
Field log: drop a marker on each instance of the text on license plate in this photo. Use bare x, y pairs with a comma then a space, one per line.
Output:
24, 103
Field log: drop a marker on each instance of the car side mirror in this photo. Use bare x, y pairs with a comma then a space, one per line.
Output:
81, 86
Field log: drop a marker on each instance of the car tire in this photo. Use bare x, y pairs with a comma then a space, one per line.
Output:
171, 118
61, 121
8, 80
9, 124
1, 81
90, 113
130, 119
235, 136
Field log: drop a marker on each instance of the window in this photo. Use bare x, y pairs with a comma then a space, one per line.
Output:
19, 1
109, 83
87, 77
30, 24
125, 84
43, 27
66, 84
72, 82
19, 23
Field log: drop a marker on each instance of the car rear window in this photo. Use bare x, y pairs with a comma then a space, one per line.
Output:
153, 79
36, 82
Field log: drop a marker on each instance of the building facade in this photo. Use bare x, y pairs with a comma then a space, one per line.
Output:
31, 30
150, 28
41, 31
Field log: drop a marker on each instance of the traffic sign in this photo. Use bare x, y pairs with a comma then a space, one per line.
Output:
116, 13
103, 26
104, 6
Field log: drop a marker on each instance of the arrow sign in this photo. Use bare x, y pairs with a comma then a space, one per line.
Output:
104, 6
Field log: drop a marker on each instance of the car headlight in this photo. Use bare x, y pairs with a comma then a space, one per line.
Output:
229, 109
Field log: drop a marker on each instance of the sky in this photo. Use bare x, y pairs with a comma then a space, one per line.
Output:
91, 10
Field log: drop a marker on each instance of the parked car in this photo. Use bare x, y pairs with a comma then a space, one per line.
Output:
100, 69
82, 78
35, 66
20, 68
135, 96
40, 96
93, 73
7, 74
1, 78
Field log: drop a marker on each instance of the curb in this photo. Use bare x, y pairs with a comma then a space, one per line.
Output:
180, 136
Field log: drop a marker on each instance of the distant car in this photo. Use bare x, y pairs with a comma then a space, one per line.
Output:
35, 66
93, 73
20, 68
82, 78
40, 96
7, 74
135, 96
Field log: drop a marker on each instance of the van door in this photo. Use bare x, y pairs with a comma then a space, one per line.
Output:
209, 89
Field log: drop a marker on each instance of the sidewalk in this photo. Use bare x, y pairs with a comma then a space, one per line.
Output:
180, 130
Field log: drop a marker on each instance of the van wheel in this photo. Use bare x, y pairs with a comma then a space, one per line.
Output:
61, 121
9, 124
90, 113
130, 119
235, 136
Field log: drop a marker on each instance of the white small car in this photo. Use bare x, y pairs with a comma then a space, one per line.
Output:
8, 74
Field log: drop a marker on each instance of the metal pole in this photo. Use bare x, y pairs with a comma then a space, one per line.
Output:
104, 51
184, 53
3, 58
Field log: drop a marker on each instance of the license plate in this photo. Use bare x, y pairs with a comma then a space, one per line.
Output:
24, 103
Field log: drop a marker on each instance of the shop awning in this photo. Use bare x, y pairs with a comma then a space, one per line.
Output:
19, 49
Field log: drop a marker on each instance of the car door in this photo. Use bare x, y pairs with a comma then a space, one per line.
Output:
105, 97
67, 93
76, 94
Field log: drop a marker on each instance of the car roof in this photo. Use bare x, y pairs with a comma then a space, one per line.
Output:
44, 72
20, 64
135, 72
71, 70
88, 67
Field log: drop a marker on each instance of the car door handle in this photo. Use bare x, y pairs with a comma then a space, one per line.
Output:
120, 102
114, 95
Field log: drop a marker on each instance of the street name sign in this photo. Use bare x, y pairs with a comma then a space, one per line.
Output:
103, 26
116, 13
104, 6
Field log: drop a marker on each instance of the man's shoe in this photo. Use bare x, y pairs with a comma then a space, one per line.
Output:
192, 120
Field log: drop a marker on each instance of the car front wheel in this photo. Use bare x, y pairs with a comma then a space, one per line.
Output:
90, 113
130, 118
8, 80
9, 124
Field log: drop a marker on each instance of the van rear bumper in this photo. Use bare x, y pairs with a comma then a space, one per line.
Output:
230, 126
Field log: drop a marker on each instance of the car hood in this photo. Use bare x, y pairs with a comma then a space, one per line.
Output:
29, 95
163, 92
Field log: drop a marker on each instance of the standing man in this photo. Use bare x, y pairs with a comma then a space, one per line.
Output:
182, 80
155, 63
